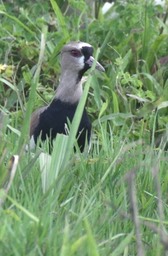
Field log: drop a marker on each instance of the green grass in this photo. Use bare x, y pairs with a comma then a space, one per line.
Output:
112, 200
86, 211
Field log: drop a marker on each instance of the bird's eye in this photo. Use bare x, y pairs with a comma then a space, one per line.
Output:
76, 53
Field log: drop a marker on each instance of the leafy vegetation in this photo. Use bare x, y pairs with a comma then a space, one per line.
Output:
112, 200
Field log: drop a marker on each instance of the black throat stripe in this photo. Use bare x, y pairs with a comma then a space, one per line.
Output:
87, 52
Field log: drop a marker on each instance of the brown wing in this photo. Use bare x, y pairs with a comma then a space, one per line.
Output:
35, 119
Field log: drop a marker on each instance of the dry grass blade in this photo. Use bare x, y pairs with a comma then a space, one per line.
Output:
11, 174
160, 230
130, 177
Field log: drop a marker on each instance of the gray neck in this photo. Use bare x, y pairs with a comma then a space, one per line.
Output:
69, 89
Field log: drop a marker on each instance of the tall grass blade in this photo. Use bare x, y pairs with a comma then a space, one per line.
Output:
50, 166
91, 243
23, 209
121, 247
65, 250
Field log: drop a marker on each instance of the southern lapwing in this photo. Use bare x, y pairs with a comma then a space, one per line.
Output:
76, 59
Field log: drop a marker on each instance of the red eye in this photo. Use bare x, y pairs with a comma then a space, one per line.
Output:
76, 53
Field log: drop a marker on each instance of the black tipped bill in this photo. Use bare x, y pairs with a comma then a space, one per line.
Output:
98, 66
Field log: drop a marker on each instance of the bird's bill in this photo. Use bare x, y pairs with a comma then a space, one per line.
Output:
98, 66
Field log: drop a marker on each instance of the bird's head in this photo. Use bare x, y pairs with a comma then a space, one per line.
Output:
78, 57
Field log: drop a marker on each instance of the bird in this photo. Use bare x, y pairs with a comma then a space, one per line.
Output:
50, 120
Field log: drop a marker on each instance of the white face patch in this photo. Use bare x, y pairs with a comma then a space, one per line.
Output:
81, 62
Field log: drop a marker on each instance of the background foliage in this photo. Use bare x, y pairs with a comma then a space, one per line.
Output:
89, 211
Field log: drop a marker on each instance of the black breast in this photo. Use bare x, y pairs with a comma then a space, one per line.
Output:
54, 119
